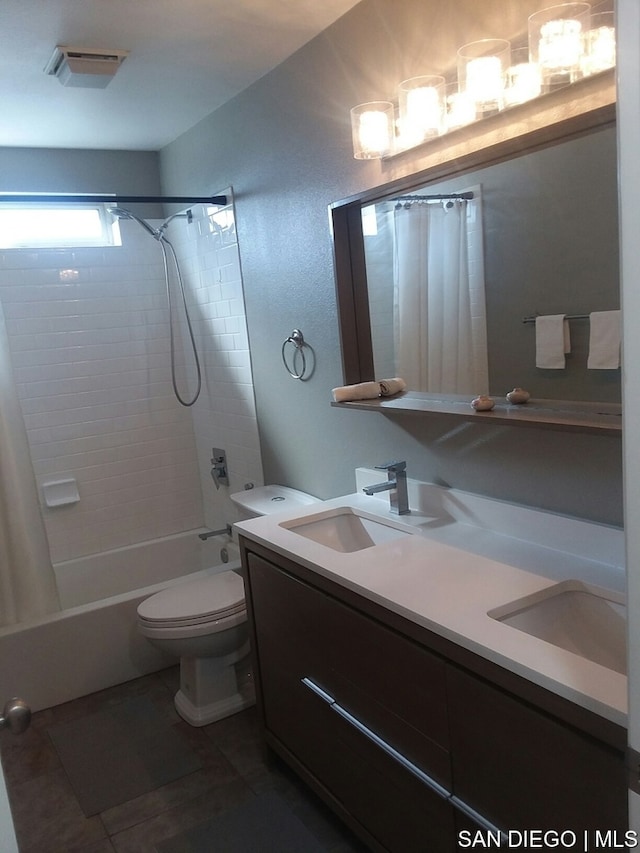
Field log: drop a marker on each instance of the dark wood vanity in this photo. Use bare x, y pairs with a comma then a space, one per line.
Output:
411, 738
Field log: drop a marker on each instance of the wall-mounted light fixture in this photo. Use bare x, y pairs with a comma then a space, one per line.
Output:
599, 44
372, 127
482, 66
563, 44
522, 78
556, 43
421, 109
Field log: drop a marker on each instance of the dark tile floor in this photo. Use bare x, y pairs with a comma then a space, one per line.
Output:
235, 767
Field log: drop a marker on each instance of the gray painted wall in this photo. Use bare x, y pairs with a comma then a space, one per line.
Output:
285, 147
59, 170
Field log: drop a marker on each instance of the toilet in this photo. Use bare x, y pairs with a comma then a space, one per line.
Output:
204, 623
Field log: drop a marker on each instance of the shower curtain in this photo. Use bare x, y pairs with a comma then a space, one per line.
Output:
27, 582
436, 343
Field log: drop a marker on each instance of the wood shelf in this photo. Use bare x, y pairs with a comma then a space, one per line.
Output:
566, 415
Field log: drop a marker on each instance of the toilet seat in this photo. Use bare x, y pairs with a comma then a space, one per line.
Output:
195, 603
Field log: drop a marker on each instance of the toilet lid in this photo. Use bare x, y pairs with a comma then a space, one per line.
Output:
204, 600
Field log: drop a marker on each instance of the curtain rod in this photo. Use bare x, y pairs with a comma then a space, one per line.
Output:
436, 197
23, 198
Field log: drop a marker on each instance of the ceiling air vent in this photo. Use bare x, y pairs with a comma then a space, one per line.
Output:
85, 67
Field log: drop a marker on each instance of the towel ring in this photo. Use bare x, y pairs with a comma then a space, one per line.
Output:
297, 339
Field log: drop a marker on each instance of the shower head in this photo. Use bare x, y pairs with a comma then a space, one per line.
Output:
120, 212
123, 213
183, 215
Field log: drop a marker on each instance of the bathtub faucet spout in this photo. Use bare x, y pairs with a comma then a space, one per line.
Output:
204, 536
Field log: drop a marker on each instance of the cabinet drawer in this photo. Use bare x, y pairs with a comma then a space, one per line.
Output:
392, 685
521, 768
400, 811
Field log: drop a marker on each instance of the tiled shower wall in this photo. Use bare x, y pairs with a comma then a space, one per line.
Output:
89, 337
225, 414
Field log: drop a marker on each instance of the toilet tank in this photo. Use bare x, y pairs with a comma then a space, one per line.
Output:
266, 500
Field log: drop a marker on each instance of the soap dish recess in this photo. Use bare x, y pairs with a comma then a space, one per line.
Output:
60, 492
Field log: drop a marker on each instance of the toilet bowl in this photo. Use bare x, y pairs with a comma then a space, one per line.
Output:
203, 622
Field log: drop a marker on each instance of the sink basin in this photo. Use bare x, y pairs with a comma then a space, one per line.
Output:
346, 529
575, 616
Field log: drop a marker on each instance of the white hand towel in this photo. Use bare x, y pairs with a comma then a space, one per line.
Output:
552, 341
604, 340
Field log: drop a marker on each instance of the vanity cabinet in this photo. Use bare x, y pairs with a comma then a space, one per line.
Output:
335, 685
522, 769
408, 737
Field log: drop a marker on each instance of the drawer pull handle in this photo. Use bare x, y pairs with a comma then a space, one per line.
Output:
393, 753
374, 738
318, 691
459, 804
438, 789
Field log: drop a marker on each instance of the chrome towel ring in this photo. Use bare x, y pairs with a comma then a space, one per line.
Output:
296, 338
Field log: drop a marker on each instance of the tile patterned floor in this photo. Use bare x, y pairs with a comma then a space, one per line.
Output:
235, 767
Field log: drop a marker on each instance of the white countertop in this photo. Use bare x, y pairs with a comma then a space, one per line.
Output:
449, 588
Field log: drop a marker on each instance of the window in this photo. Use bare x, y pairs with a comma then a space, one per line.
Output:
42, 225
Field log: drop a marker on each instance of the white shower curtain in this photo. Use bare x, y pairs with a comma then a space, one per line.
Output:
435, 343
27, 583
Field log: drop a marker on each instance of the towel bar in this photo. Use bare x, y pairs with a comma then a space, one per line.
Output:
567, 317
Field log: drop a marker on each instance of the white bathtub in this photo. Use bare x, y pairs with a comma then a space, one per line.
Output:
92, 643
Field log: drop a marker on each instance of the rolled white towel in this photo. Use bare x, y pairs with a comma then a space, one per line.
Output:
369, 390
392, 386
360, 391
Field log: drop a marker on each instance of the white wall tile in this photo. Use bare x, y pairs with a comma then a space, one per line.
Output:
92, 366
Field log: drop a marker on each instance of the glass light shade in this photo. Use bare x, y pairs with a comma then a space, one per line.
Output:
460, 110
556, 43
421, 106
372, 129
481, 70
522, 79
599, 44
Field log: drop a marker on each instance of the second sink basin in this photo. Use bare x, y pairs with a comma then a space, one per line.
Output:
345, 529
575, 616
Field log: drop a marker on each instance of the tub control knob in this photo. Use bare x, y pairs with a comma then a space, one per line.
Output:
16, 716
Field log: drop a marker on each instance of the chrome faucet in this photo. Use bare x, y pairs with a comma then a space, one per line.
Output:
219, 470
396, 483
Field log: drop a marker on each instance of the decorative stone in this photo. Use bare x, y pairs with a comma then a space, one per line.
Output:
483, 403
518, 395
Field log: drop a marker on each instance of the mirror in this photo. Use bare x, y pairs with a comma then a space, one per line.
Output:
546, 226
550, 244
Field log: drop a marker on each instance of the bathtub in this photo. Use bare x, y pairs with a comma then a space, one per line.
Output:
92, 643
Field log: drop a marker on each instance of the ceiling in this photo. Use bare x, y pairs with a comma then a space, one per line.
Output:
186, 58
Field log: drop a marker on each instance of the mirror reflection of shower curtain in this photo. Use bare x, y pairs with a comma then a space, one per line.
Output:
27, 582
440, 347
